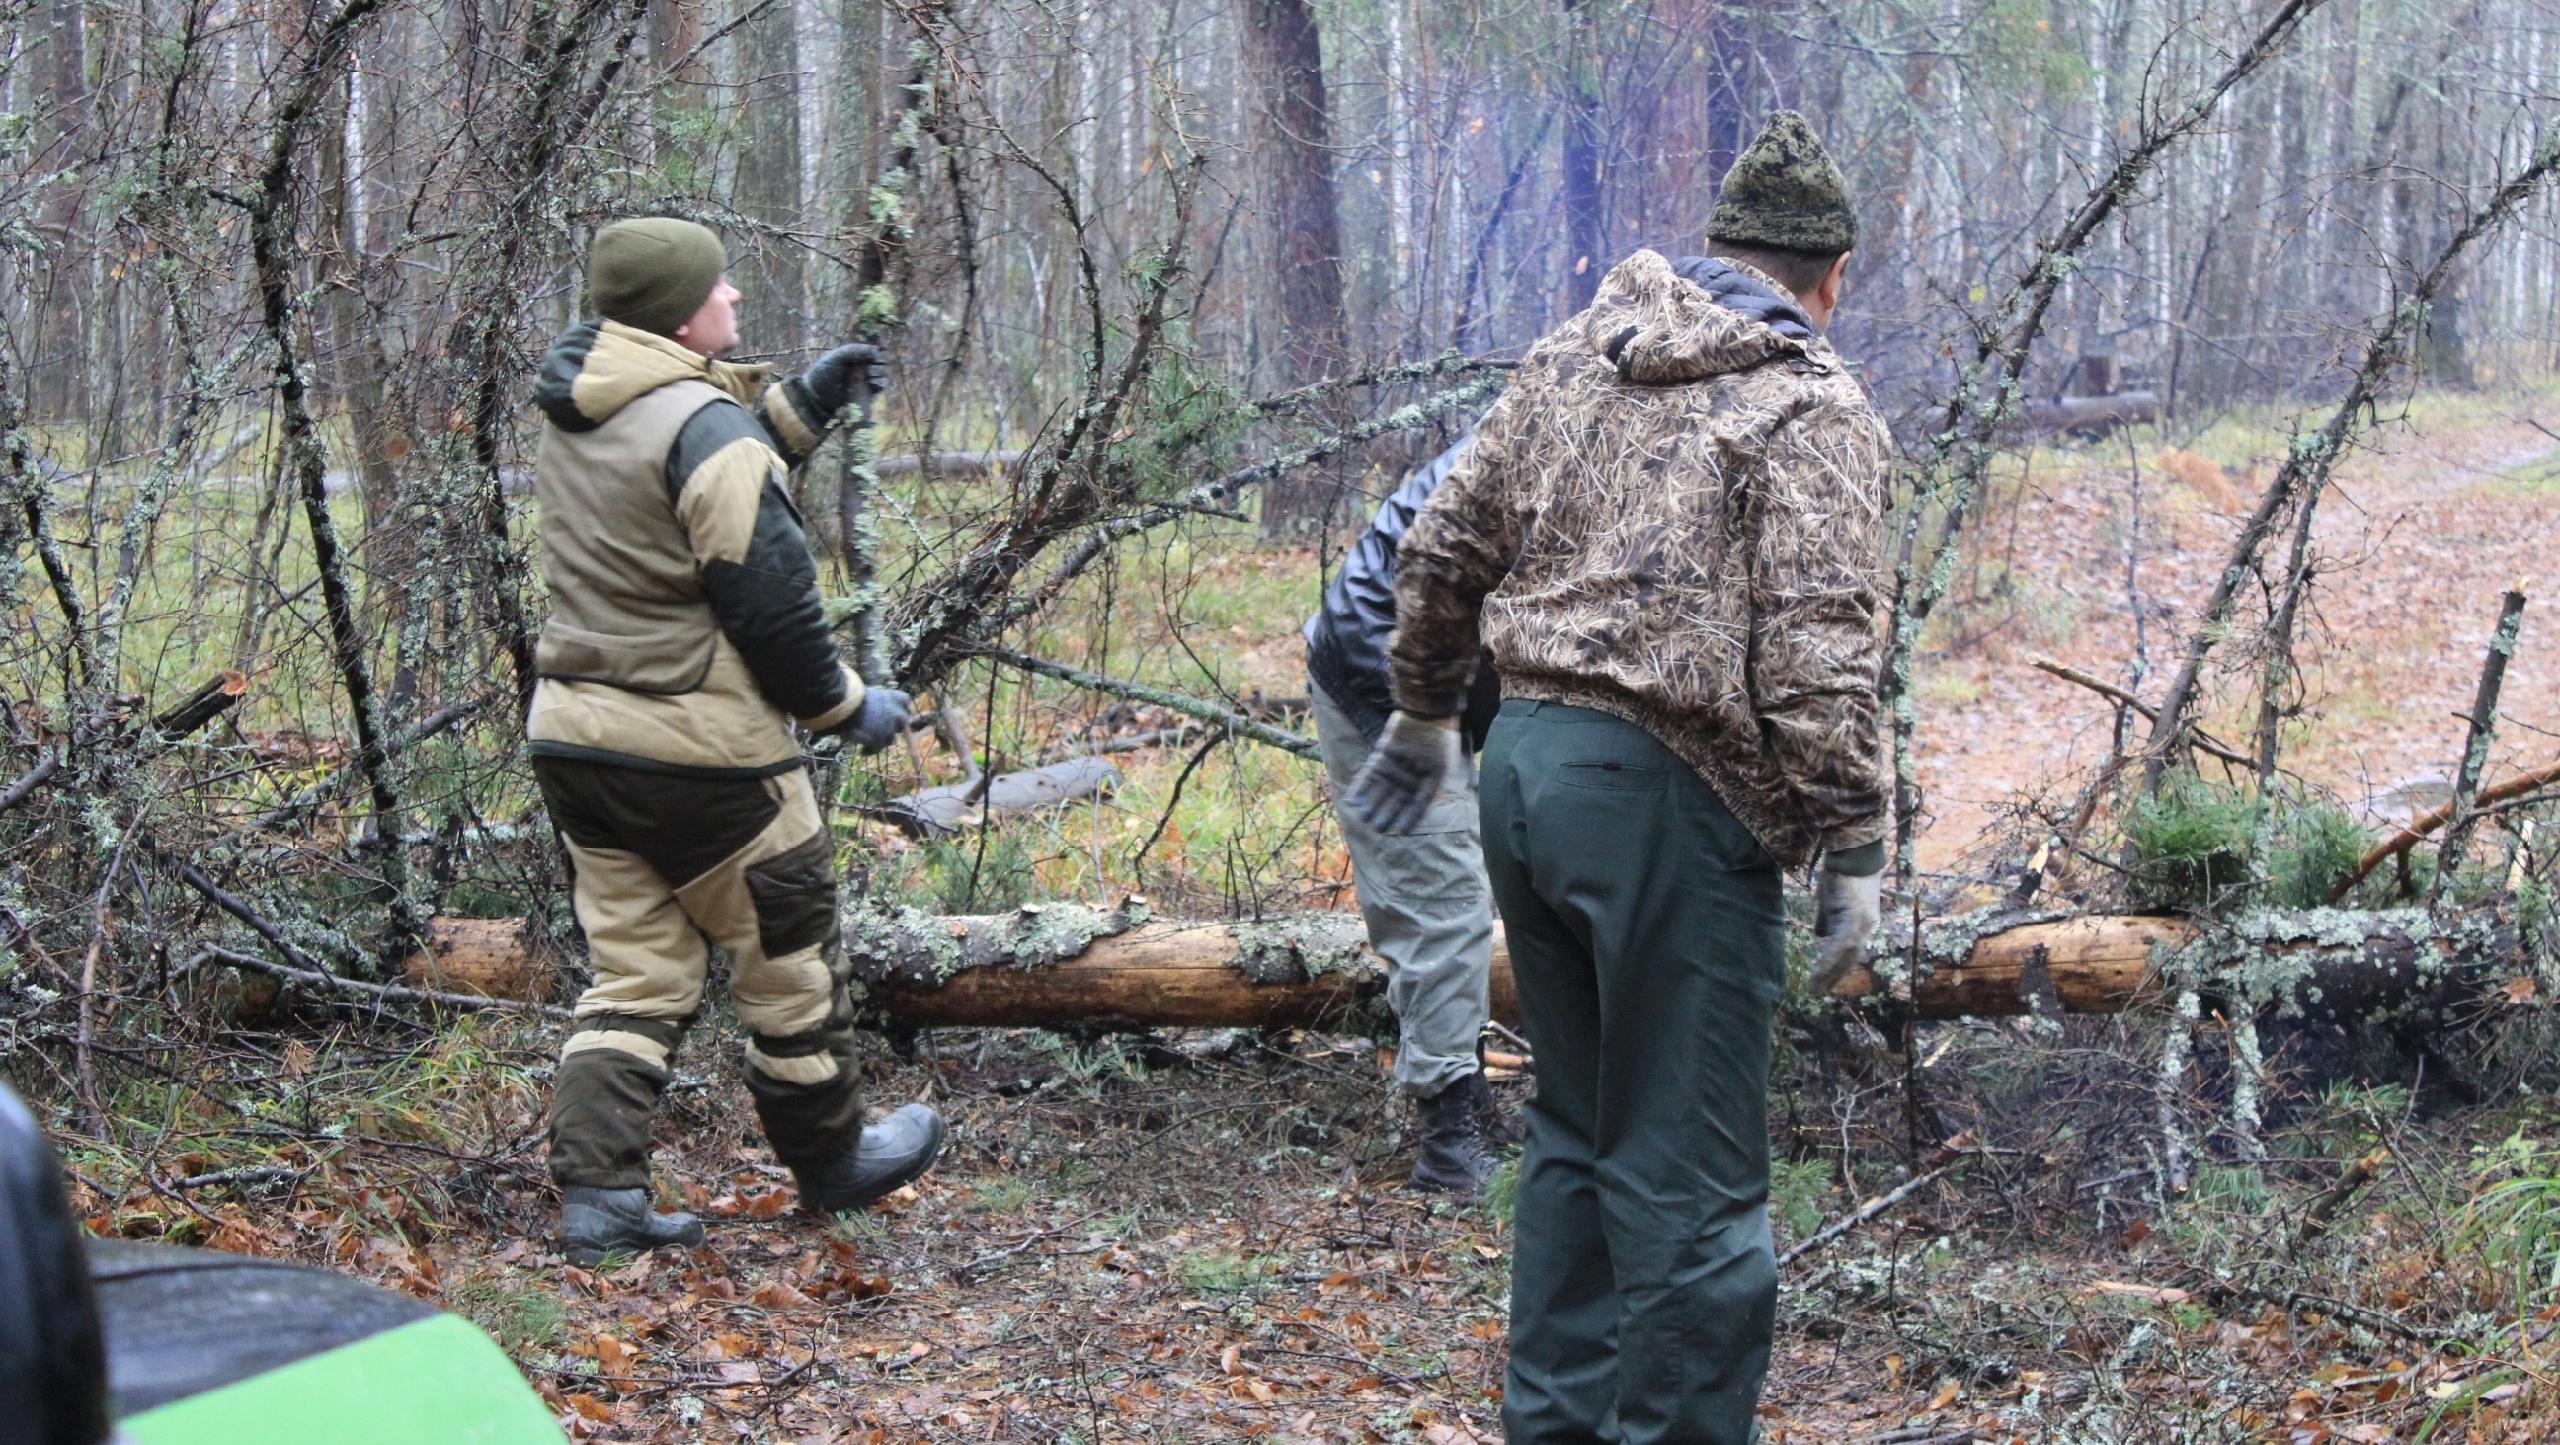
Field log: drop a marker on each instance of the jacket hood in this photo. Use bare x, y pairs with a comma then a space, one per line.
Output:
597, 368
1663, 325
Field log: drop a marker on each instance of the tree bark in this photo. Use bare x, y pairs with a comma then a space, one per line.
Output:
768, 184
1062, 966
358, 366
1585, 152
1284, 66
57, 372
1067, 966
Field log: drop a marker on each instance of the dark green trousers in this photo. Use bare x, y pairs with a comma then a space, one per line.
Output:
1647, 934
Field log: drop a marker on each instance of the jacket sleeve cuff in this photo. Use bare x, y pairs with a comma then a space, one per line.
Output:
836, 716
1860, 860
791, 415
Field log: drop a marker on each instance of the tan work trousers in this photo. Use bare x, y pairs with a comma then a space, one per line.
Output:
668, 867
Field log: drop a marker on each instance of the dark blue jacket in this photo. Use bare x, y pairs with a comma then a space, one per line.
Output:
1347, 638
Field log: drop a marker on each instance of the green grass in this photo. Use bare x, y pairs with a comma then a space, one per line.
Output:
1501, 1197
1008, 1195
1796, 1187
2190, 841
1212, 1271
524, 1314
2512, 1222
2538, 477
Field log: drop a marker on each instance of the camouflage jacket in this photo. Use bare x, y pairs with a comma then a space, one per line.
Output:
1674, 516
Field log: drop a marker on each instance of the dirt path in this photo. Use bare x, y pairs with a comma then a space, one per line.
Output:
2424, 530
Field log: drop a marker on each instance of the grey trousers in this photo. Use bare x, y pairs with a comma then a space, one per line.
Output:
1429, 914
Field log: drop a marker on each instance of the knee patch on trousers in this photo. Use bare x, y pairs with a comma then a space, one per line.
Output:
803, 1059
795, 897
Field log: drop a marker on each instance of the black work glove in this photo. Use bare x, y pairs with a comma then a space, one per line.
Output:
877, 721
1395, 787
831, 378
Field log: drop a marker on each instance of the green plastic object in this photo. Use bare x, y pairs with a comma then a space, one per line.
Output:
436, 1382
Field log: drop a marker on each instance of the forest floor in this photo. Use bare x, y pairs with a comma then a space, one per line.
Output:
1203, 1238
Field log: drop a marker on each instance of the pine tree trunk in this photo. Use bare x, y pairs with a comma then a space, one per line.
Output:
769, 268
1284, 66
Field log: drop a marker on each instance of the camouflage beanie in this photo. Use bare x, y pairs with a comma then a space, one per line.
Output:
1784, 193
655, 273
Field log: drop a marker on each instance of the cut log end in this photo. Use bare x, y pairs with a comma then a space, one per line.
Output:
486, 957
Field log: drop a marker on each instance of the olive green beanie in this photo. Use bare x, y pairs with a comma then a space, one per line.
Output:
1784, 193
654, 273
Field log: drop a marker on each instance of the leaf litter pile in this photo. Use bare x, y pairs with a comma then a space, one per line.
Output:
1204, 1238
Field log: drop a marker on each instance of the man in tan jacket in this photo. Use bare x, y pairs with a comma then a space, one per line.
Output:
1667, 537
685, 663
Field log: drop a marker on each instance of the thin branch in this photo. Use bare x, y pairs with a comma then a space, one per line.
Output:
2475, 747
1223, 492
1869, 1210
1184, 703
2203, 742
320, 978
2418, 828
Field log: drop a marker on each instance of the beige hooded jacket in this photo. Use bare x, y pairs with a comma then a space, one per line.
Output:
686, 632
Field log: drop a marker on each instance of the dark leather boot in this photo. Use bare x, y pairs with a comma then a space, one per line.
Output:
893, 1154
597, 1222
1453, 1158
1502, 1128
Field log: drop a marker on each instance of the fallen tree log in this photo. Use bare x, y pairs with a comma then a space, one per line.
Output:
1068, 966
950, 807
2092, 415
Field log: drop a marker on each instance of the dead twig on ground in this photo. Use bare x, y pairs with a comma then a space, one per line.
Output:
2317, 1216
1868, 1211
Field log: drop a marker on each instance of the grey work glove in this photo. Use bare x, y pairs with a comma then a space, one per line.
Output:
877, 721
1847, 908
831, 377
1395, 787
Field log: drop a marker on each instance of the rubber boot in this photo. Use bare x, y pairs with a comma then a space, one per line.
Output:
893, 1154
597, 1222
1502, 1128
1453, 1158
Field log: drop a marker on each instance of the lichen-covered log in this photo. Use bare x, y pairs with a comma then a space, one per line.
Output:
1067, 966
2330, 964
1063, 966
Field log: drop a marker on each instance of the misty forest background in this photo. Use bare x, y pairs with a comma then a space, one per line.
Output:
1173, 292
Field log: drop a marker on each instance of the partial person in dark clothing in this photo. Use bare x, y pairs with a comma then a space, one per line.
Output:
1422, 893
